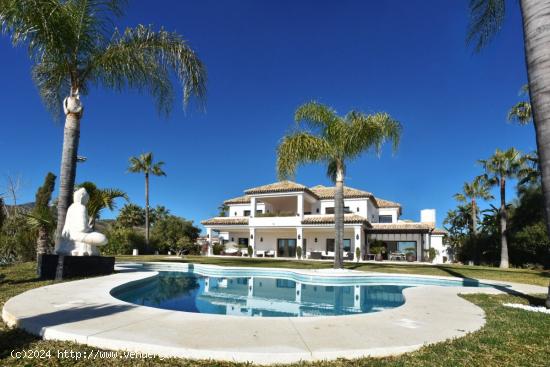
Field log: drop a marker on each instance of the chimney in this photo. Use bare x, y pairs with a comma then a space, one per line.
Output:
427, 216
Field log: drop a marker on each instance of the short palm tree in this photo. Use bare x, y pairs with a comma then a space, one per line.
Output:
100, 199
501, 166
334, 140
471, 191
521, 112
144, 164
73, 48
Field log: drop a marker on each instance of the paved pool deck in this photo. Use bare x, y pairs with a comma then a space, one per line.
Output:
84, 311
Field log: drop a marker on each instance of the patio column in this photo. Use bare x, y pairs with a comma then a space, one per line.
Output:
253, 206
299, 240
358, 239
252, 241
209, 241
300, 205
419, 247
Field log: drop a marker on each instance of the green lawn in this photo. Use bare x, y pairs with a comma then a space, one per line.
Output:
511, 337
537, 277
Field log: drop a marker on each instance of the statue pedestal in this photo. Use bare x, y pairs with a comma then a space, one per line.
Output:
76, 266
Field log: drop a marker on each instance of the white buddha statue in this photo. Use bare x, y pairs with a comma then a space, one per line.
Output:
77, 237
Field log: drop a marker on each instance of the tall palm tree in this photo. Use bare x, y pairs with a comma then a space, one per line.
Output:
73, 48
144, 164
471, 191
100, 199
487, 17
498, 168
334, 140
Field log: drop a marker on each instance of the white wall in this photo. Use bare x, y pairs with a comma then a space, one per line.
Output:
442, 250
237, 210
394, 212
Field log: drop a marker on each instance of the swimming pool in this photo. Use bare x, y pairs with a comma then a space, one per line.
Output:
272, 293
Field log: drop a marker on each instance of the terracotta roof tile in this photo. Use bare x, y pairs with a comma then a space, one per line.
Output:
327, 192
245, 199
225, 221
281, 186
329, 219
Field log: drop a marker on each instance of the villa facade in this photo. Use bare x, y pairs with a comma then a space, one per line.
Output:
277, 219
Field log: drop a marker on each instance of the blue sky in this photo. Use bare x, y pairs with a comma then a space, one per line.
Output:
264, 59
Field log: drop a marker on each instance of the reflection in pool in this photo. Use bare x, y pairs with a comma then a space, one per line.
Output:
258, 296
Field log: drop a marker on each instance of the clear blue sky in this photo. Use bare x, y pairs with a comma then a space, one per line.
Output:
265, 58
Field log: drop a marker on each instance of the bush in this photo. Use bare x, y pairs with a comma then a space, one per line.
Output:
171, 231
299, 252
17, 240
218, 249
122, 241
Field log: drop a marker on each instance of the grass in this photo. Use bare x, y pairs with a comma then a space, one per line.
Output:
536, 277
511, 337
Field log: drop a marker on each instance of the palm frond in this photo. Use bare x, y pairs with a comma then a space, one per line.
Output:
486, 19
300, 148
316, 115
370, 131
143, 59
521, 113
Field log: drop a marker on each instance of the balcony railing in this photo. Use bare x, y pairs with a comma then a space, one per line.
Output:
277, 214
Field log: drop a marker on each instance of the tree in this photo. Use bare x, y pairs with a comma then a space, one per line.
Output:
100, 199
334, 141
2, 212
487, 17
144, 163
471, 191
498, 168
521, 112
73, 49
42, 217
159, 213
174, 233
131, 215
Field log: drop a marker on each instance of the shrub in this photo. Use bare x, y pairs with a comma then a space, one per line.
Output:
358, 253
250, 251
122, 241
299, 252
218, 249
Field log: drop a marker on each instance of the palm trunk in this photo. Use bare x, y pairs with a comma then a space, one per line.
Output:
339, 219
147, 211
536, 33
474, 232
503, 224
71, 136
42, 248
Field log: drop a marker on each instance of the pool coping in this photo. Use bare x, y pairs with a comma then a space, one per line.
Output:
84, 311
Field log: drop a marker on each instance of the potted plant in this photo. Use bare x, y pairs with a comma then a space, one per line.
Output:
299, 252
432, 253
357, 254
250, 251
378, 251
410, 254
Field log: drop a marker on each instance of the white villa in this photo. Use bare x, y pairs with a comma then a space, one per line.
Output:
276, 219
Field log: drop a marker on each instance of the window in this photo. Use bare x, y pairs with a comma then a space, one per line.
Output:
385, 219
330, 210
330, 244
246, 213
259, 212
243, 241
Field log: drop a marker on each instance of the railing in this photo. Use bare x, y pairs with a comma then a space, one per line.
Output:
277, 214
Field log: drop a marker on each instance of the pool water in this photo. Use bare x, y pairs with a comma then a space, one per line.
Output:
259, 296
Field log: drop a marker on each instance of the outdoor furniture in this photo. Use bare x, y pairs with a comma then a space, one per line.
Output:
260, 253
231, 251
328, 255
348, 255
397, 256
244, 252
315, 255
371, 256
269, 253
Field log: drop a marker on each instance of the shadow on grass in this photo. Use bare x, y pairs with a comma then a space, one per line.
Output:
14, 339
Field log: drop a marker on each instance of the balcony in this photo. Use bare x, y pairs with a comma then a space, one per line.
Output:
272, 220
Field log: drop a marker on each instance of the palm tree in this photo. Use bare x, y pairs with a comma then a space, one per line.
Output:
334, 141
498, 168
73, 48
471, 191
521, 112
144, 164
100, 199
131, 215
487, 17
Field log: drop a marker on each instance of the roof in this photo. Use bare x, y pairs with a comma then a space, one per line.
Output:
400, 226
226, 221
245, 199
324, 192
441, 231
329, 219
383, 203
281, 186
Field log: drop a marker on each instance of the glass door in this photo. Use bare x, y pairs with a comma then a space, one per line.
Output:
286, 247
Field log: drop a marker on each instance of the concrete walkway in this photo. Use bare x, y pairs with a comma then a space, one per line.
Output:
84, 311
